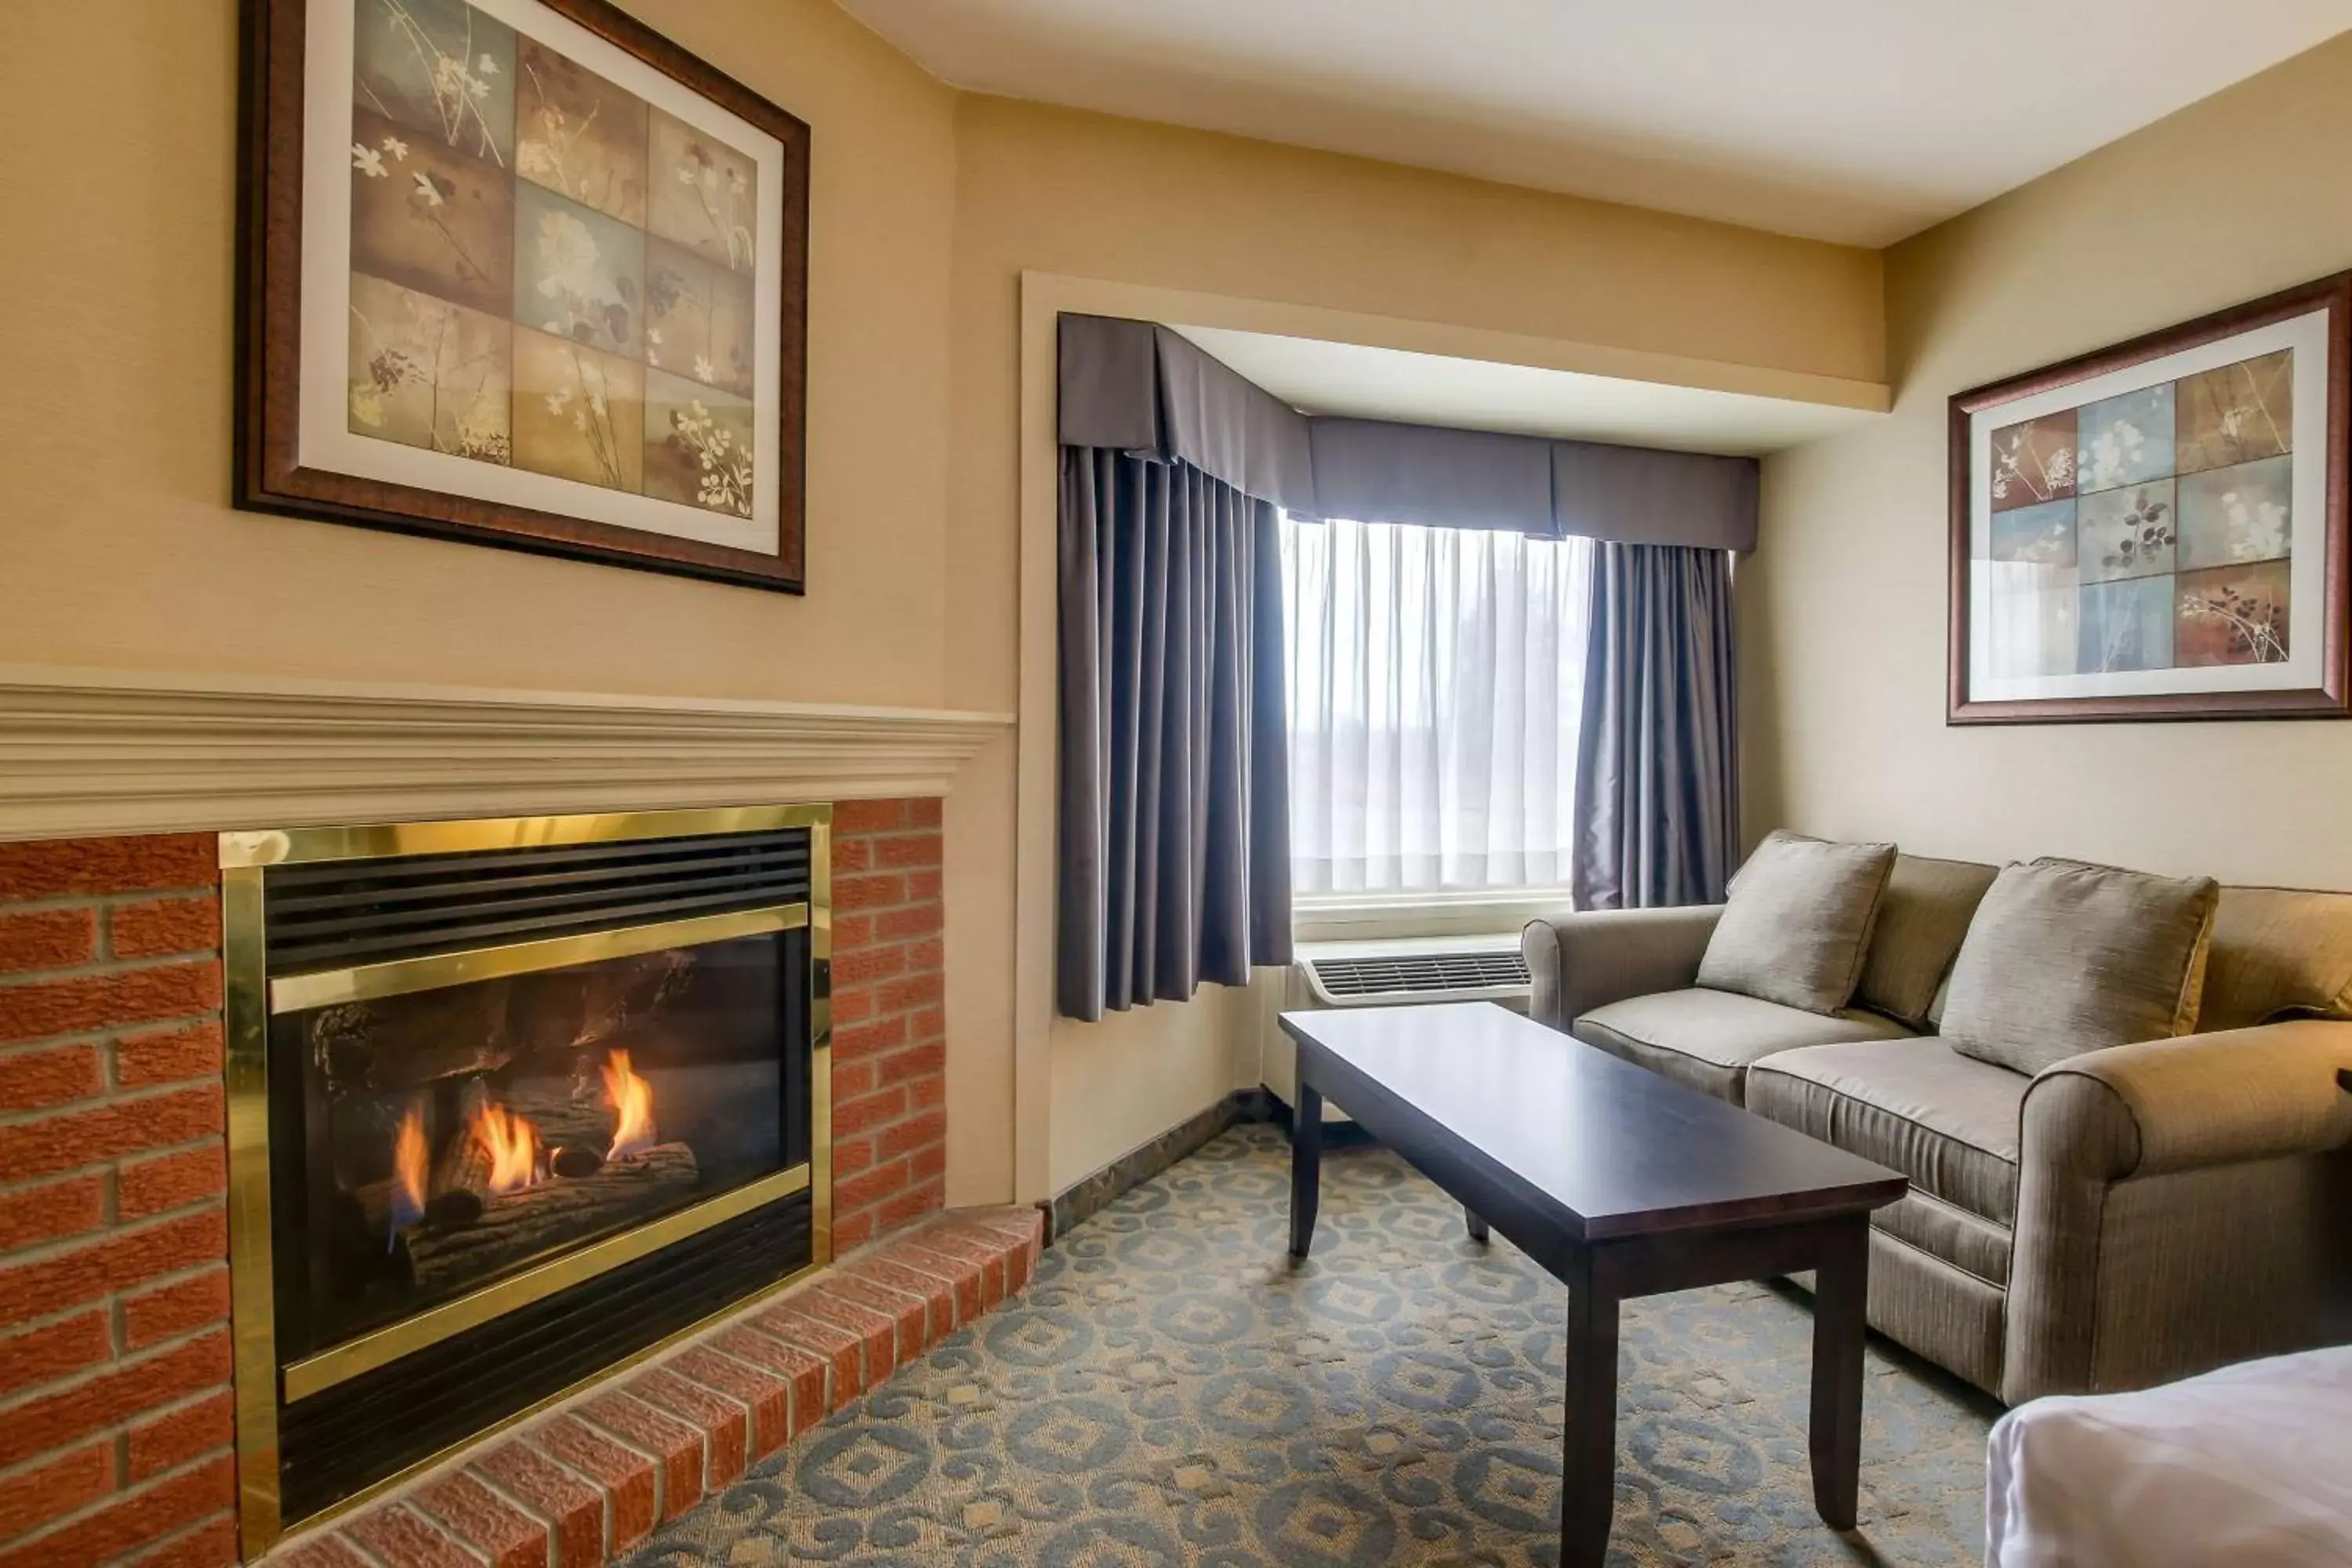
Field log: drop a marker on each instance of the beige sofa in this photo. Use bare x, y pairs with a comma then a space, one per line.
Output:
2130, 1215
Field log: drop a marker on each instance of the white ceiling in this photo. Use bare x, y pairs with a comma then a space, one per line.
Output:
1320, 377
1859, 120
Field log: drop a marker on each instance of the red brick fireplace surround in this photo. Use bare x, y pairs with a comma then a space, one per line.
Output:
116, 1417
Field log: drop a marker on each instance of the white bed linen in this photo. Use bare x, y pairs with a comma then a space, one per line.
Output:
2249, 1466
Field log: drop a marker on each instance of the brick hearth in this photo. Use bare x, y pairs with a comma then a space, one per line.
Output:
588, 1481
115, 1408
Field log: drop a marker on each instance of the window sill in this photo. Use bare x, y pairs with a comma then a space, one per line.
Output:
1476, 911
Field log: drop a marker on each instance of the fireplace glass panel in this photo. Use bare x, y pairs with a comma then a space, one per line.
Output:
450, 1138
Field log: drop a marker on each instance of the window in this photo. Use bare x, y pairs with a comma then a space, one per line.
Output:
1436, 678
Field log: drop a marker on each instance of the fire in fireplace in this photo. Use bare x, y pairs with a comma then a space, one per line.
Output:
474, 1129
534, 1096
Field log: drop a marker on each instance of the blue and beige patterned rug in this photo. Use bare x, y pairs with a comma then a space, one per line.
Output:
1171, 1392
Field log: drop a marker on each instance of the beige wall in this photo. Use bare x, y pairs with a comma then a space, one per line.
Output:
1844, 605
118, 547
117, 539
1052, 190
1123, 1082
1082, 195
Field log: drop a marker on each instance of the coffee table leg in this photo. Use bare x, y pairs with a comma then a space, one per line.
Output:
1841, 1300
1306, 1167
1589, 1454
1472, 1223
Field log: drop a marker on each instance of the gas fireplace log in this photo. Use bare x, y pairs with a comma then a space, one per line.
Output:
464, 1031
563, 1113
573, 1124
575, 1160
460, 1189
519, 1225
369, 1048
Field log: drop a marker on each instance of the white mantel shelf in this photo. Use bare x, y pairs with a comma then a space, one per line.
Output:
105, 751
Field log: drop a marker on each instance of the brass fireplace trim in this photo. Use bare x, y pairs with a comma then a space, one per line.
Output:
247, 1008
374, 841
636, 1358
434, 972
341, 1364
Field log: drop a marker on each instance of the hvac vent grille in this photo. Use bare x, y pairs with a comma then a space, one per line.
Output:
338, 912
1423, 971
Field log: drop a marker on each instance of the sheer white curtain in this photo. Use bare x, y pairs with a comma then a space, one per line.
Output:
1436, 677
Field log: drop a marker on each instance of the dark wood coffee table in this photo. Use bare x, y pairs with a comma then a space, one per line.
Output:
1618, 1181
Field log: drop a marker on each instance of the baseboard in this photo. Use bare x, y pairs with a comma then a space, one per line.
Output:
1087, 1197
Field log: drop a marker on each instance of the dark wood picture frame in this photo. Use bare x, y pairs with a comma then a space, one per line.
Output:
269, 475
2330, 699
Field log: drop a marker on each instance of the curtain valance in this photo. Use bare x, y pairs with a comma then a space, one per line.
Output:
1138, 387
1638, 495
1371, 471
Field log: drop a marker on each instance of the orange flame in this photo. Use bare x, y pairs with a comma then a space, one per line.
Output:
512, 1144
632, 1100
408, 1162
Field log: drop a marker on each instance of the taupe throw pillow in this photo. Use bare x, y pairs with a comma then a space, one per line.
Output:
1796, 922
2063, 958
2278, 953
1923, 918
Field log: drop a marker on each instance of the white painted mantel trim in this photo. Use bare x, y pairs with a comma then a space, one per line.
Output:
98, 751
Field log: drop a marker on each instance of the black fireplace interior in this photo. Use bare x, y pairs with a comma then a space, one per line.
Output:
436, 1143
455, 1137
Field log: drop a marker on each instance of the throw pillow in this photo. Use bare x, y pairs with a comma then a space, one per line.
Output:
1798, 921
2277, 953
1923, 918
2064, 957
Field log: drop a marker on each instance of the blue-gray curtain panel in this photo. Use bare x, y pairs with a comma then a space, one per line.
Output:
1174, 827
1657, 764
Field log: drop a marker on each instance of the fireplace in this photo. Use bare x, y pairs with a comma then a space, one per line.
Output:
510, 1103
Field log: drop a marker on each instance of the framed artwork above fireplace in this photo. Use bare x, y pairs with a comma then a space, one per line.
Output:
510, 1103
2158, 530
523, 273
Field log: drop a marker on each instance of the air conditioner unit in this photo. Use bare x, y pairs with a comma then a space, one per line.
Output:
1393, 974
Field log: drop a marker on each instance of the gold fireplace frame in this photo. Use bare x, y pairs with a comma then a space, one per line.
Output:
251, 997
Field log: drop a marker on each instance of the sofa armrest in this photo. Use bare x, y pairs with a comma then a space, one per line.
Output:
2196, 1100
1593, 957
2180, 1205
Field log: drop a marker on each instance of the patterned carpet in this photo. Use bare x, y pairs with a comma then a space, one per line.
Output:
1170, 1392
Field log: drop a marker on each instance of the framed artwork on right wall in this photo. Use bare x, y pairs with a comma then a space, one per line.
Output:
2157, 531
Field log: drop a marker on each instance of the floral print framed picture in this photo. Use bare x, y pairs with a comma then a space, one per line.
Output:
2157, 531
523, 273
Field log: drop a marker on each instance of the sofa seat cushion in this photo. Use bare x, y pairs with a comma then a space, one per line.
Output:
1708, 1038
1948, 1122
